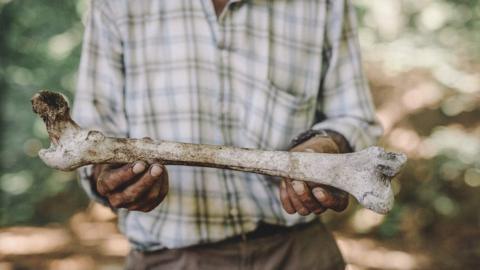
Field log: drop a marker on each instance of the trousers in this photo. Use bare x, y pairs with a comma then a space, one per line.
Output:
305, 246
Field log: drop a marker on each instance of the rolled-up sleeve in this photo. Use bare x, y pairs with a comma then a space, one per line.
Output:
344, 101
99, 99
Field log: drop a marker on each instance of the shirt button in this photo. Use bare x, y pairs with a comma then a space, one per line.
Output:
234, 212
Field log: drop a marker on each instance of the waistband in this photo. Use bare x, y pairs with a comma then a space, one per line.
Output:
263, 230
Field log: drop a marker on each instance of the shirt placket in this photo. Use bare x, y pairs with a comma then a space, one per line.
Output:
224, 39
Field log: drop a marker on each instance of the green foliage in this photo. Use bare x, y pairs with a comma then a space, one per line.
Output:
422, 61
40, 48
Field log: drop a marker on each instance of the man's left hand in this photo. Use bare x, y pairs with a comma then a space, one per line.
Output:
308, 197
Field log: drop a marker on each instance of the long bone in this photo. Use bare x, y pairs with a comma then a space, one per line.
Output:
365, 174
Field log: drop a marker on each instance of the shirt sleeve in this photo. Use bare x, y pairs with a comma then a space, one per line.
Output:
344, 102
99, 99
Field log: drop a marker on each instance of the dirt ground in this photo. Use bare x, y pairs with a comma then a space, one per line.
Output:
90, 240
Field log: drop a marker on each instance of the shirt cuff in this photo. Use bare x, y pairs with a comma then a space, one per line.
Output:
84, 174
359, 134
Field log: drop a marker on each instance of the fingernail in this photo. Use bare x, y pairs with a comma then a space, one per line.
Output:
298, 187
309, 150
319, 194
138, 167
156, 170
283, 184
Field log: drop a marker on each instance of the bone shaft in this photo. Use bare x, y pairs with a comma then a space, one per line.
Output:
274, 163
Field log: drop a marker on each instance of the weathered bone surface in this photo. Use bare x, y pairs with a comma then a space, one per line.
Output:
365, 174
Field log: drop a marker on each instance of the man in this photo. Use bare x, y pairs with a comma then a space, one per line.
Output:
246, 73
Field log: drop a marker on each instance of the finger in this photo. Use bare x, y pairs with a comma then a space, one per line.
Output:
150, 201
134, 193
154, 196
160, 189
110, 180
297, 204
99, 168
284, 198
153, 199
306, 197
332, 198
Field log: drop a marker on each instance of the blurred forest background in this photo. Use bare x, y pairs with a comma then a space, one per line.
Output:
422, 59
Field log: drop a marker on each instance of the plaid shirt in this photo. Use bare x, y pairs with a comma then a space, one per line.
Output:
256, 76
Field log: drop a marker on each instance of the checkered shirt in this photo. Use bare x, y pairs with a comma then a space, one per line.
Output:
256, 76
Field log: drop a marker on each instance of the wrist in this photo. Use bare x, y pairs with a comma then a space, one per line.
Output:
307, 135
330, 140
340, 141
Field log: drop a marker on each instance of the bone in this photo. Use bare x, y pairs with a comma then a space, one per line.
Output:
366, 174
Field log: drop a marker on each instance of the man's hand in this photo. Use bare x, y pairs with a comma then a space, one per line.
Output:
308, 197
135, 186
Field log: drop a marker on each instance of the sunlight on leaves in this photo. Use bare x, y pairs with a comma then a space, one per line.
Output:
16, 183
61, 45
472, 177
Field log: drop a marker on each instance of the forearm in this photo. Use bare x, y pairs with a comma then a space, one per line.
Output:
344, 103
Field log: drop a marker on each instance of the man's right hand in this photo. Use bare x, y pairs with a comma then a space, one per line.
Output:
135, 186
